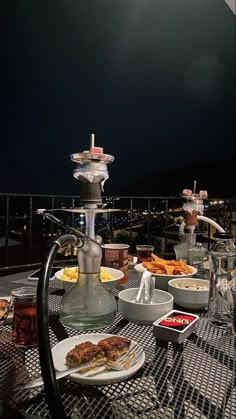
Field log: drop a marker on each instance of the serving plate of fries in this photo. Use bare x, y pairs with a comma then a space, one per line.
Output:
164, 270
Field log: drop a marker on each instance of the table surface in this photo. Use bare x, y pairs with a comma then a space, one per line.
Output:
193, 380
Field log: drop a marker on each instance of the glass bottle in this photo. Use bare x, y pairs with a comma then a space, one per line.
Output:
197, 255
222, 272
182, 250
88, 305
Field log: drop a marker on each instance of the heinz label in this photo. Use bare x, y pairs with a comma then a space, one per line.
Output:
177, 321
116, 258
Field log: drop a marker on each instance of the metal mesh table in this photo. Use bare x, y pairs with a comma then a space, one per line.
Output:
193, 380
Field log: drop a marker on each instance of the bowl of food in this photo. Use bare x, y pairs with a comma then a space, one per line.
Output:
164, 270
189, 293
141, 313
109, 276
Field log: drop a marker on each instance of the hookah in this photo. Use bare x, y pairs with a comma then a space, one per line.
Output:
222, 257
87, 305
193, 206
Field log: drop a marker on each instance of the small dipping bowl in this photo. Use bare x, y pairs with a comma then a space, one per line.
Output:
187, 297
140, 313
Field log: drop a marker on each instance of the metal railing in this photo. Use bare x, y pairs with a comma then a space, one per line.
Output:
24, 235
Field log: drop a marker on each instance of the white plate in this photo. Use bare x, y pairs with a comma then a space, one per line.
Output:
62, 348
10, 314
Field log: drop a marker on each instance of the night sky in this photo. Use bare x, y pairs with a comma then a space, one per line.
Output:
153, 79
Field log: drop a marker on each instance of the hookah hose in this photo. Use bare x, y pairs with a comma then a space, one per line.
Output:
52, 391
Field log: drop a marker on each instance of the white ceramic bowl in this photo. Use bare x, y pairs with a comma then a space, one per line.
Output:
188, 297
161, 281
108, 283
140, 313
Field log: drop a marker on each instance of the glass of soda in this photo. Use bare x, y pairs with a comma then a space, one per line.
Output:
24, 328
144, 252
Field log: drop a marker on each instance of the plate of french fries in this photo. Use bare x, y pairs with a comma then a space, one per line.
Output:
164, 270
108, 276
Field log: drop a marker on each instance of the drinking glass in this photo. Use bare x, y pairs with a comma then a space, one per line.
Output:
144, 252
24, 328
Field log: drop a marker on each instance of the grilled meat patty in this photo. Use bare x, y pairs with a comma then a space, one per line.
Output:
83, 353
114, 346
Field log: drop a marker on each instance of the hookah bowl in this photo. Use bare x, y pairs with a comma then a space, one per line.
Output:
193, 206
88, 305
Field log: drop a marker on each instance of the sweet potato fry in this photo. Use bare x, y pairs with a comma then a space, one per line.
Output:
167, 267
184, 267
172, 262
157, 259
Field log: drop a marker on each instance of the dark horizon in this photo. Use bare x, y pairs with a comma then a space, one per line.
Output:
209, 176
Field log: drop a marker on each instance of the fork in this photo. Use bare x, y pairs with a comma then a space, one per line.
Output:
119, 365
132, 356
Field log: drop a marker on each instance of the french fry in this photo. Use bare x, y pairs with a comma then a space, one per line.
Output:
167, 267
157, 259
184, 266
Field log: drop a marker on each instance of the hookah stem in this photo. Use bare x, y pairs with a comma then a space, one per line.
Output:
78, 233
90, 223
90, 232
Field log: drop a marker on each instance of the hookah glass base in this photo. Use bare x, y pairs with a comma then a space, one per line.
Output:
87, 305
